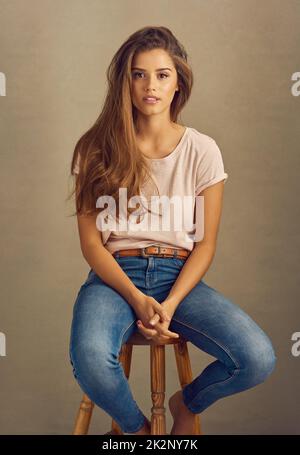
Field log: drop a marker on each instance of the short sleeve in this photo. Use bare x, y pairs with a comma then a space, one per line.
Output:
211, 168
76, 166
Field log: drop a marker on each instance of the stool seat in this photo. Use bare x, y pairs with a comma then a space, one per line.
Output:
157, 372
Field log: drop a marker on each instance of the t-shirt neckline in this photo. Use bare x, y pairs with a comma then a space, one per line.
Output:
174, 151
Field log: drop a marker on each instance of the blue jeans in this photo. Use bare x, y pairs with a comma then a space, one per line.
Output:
103, 320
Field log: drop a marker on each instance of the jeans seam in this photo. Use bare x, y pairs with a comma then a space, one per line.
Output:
192, 409
142, 423
123, 333
212, 339
206, 389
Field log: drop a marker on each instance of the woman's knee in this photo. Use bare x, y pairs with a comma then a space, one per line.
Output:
260, 359
92, 360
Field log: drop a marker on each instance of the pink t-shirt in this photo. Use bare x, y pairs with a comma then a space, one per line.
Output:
195, 164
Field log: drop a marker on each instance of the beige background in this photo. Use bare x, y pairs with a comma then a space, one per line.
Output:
54, 55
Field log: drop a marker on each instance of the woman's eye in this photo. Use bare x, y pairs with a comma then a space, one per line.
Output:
161, 74
135, 74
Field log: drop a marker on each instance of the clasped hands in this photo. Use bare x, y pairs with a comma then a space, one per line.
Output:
154, 319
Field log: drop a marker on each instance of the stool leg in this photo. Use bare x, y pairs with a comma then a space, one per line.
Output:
125, 359
158, 380
185, 374
84, 416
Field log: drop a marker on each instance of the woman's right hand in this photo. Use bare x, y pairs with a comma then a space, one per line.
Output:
146, 307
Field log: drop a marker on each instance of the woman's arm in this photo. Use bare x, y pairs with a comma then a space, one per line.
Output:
102, 261
203, 253
107, 268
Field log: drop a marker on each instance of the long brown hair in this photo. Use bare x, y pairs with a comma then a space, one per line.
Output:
109, 157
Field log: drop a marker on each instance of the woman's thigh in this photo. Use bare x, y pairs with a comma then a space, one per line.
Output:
221, 328
102, 321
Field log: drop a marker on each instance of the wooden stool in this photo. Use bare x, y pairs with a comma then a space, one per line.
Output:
157, 367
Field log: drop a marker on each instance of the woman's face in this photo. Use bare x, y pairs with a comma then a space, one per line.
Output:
153, 74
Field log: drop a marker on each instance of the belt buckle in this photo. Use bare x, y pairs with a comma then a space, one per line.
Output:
145, 255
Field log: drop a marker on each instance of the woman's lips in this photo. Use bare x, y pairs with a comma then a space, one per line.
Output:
151, 100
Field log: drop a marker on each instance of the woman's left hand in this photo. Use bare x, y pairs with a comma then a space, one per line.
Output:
160, 331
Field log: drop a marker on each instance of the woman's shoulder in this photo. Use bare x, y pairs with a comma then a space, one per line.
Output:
200, 138
201, 145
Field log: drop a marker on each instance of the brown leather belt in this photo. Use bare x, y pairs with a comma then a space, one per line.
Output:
159, 251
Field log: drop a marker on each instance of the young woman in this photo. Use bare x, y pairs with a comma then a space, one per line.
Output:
154, 275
